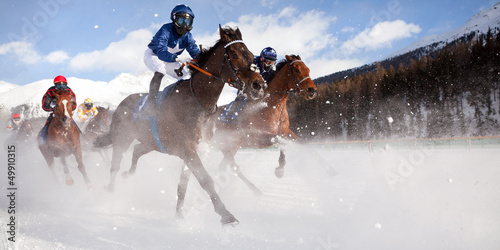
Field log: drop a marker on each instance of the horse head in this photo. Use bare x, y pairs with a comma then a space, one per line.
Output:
242, 73
63, 111
299, 73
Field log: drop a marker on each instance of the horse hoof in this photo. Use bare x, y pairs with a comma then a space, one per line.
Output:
279, 172
229, 221
257, 192
127, 174
69, 181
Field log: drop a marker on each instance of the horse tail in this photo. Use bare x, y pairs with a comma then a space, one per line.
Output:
103, 141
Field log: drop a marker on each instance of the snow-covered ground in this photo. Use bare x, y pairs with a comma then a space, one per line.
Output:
329, 198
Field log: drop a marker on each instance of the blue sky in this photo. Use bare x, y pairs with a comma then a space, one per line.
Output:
98, 39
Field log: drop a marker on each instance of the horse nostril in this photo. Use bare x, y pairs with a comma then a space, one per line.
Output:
256, 85
311, 90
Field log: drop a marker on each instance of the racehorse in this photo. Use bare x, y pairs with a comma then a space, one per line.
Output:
98, 125
63, 137
262, 123
182, 117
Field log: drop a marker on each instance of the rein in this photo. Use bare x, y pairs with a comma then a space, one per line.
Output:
295, 83
233, 70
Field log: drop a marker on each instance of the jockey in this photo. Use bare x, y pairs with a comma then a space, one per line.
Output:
49, 101
87, 110
169, 42
14, 124
266, 61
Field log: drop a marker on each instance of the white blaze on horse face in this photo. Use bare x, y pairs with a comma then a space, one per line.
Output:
66, 113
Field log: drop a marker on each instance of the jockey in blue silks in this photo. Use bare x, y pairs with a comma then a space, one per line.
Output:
266, 62
169, 42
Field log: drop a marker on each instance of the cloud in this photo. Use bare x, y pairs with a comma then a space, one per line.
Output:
24, 51
380, 36
57, 57
121, 56
283, 31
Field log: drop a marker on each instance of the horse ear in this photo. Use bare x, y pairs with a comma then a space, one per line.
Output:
223, 36
299, 57
238, 32
288, 58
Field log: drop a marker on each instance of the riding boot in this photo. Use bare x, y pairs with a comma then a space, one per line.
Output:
42, 136
154, 87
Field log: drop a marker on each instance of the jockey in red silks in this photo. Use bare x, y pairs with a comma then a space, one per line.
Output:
49, 101
14, 123
169, 42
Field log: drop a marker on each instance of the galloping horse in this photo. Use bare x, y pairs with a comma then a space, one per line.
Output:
63, 137
98, 125
182, 117
262, 121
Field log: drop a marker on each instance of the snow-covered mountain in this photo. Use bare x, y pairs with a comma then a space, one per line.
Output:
27, 99
479, 24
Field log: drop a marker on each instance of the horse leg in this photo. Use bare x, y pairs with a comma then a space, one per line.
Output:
69, 179
237, 170
49, 158
280, 170
81, 167
118, 150
139, 150
194, 164
181, 191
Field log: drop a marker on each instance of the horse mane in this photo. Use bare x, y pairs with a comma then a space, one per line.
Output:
206, 53
279, 66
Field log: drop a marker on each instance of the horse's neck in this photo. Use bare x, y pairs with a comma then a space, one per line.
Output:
279, 87
208, 89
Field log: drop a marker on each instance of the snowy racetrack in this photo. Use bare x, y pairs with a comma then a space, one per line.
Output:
329, 198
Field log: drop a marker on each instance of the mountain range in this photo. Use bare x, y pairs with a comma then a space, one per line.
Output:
477, 25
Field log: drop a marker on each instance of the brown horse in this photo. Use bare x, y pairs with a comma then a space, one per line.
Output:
182, 117
263, 122
98, 125
63, 137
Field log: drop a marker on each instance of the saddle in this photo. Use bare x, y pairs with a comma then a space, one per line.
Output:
232, 110
139, 109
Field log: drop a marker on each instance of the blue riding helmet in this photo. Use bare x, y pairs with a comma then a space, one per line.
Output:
182, 16
268, 53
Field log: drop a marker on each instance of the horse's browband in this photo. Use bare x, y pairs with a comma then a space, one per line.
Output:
295, 62
233, 42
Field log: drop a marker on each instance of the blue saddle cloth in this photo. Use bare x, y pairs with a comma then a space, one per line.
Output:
140, 114
141, 104
232, 110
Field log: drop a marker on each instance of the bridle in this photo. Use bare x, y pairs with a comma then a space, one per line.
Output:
227, 61
296, 84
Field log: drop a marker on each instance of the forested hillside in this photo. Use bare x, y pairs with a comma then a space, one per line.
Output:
453, 92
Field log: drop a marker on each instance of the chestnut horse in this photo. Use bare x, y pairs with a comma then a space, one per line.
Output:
63, 137
182, 117
264, 122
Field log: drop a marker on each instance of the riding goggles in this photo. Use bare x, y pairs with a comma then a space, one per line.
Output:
61, 86
184, 20
89, 105
269, 62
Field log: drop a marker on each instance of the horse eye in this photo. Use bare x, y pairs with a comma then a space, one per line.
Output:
234, 55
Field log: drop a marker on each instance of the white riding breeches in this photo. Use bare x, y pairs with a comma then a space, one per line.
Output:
156, 65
